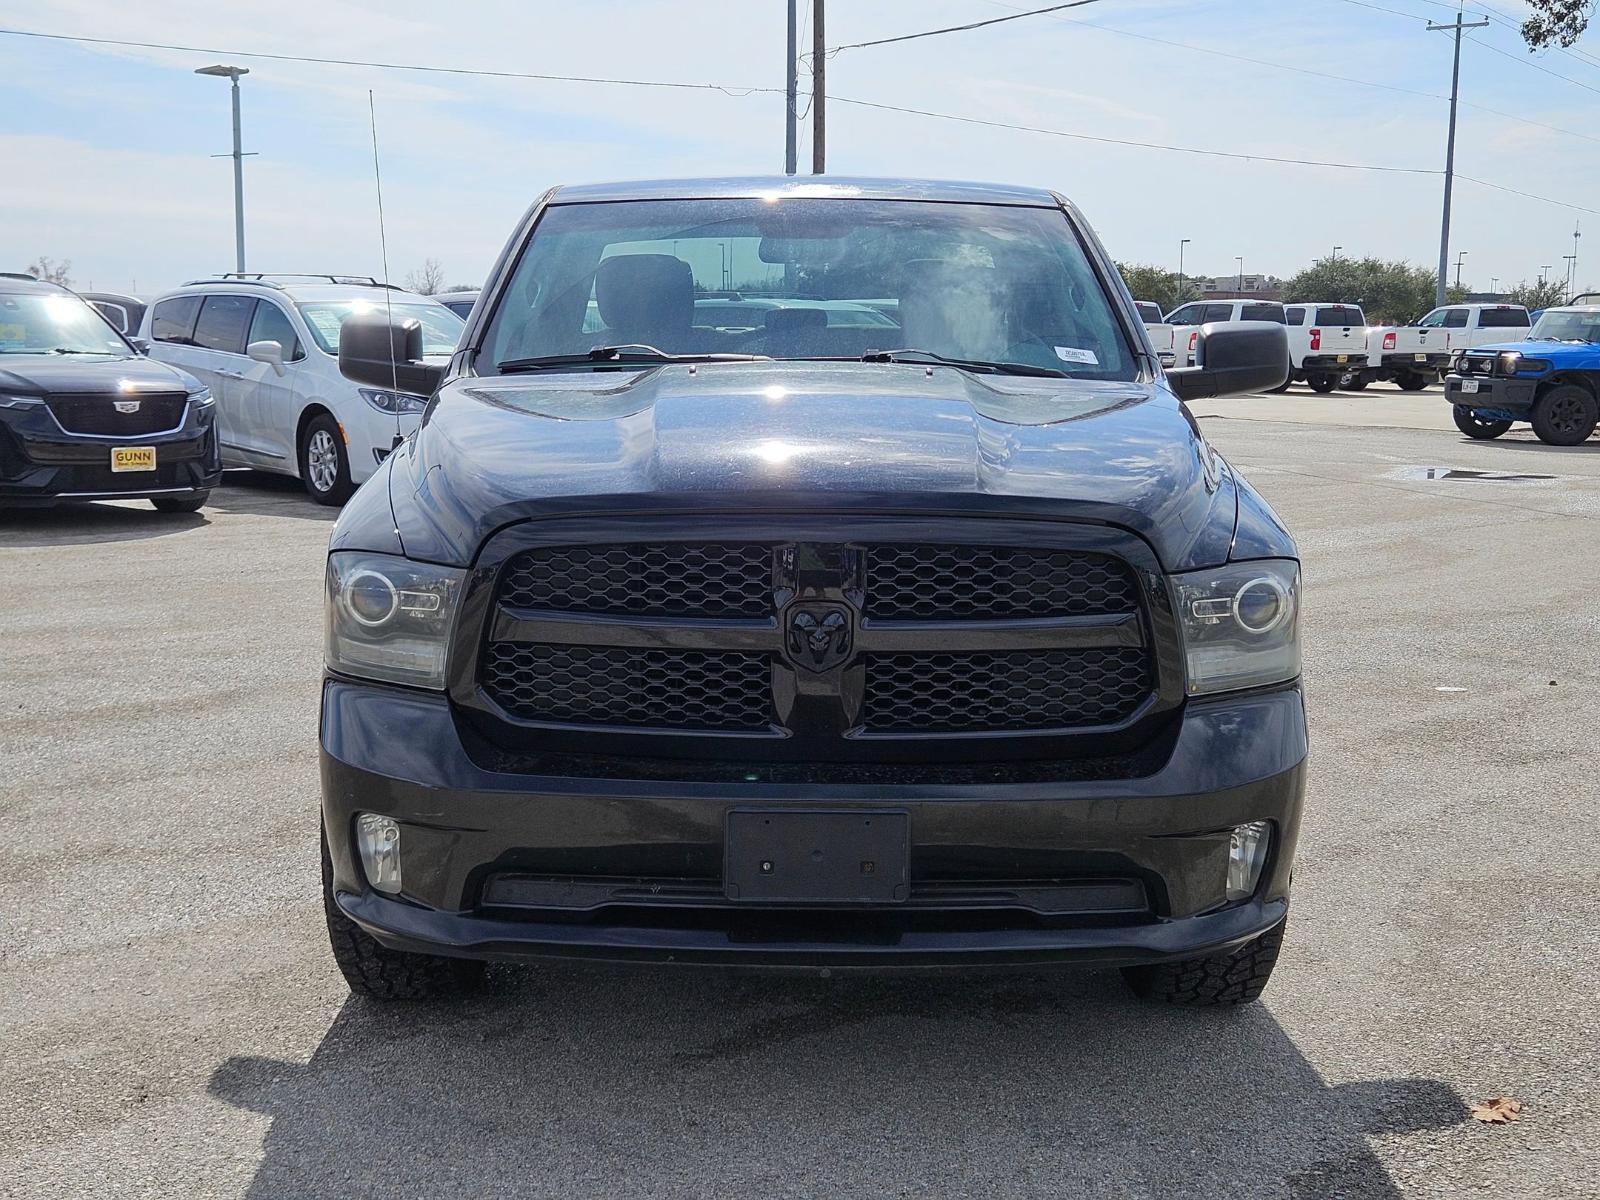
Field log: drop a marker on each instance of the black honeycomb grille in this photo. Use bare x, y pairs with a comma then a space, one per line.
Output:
925, 582
1058, 689
97, 414
712, 580
656, 689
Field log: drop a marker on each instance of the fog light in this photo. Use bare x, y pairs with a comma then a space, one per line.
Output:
378, 840
1247, 854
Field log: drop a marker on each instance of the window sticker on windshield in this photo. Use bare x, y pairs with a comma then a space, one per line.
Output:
1073, 355
13, 335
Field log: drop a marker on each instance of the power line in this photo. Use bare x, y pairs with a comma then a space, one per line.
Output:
1111, 141
907, 37
1537, 67
1280, 66
726, 89
1500, 187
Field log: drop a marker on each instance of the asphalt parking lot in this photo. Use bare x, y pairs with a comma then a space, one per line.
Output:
174, 1026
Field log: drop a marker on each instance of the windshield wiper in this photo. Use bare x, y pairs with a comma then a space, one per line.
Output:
987, 367
605, 355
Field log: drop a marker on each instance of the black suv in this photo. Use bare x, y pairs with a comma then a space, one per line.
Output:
909, 622
85, 416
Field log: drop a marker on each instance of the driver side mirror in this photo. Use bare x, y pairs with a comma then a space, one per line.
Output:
1234, 359
140, 345
270, 353
383, 355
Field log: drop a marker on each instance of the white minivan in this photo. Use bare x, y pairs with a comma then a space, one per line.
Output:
268, 348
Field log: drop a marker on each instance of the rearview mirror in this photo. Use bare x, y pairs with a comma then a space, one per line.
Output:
270, 353
1234, 359
374, 352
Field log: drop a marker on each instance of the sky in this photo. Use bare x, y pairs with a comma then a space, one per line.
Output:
107, 153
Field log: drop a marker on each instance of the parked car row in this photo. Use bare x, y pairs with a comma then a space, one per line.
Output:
1332, 346
103, 396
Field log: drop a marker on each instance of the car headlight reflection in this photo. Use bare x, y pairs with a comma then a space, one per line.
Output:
390, 619
1240, 624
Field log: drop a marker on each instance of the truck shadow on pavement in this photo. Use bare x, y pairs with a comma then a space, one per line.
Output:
571, 1080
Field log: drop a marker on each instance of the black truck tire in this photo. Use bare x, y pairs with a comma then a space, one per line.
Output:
1412, 381
1222, 980
1323, 384
1281, 388
1478, 428
1565, 415
379, 973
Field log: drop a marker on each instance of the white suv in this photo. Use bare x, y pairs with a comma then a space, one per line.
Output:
268, 348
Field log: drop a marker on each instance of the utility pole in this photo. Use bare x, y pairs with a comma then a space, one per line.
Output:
791, 86
1240, 259
1572, 281
819, 92
233, 73
1459, 27
1459, 257
1572, 262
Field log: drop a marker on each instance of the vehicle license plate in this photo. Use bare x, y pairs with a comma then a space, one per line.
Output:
1344, 358
133, 458
777, 856
1469, 387
1419, 358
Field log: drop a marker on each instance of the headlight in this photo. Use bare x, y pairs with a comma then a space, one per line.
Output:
393, 402
202, 398
1240, 624
20, 401
389, 618
1508, 362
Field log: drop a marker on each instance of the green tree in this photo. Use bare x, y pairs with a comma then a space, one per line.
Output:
1158, 286
1538, 294
50, 271
1387, 291
1556, 22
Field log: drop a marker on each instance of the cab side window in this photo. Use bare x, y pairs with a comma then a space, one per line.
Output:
1218, 312
1434, 319
173, 320
1262, 312
271, 324
1189, 314
223, 323
1455, 318
1294, 316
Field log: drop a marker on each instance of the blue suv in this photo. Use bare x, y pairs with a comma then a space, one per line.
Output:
1551, 380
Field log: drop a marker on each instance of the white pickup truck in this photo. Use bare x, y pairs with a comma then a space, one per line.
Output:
1158, 331
1186, 321
1414, 356
1327, 345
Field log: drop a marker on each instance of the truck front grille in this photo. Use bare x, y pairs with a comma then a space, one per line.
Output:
822, 650
1059, 689
97, 414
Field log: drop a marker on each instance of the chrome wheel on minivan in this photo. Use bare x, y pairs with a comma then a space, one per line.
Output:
324, 464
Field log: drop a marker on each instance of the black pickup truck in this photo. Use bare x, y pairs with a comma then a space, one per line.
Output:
818, 574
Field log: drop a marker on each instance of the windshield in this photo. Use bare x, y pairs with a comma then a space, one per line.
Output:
1582, 325
441, 328
806, 278
61, 324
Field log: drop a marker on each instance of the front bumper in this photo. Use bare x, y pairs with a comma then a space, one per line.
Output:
41, 463
1418, 361
627, 864
1495, 396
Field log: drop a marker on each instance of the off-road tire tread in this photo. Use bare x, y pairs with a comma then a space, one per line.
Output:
1218, 981
1478, 431
373, 970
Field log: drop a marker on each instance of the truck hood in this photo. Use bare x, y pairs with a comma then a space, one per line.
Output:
1540, 349
791, 437
42, 374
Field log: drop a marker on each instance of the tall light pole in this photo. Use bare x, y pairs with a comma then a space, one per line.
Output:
1544, 272
1336, 250
790, 87
1459, 257
1450, 154
1494, 284
233, 73
1178, 299
1572, 282
1239, 258
1572, 262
